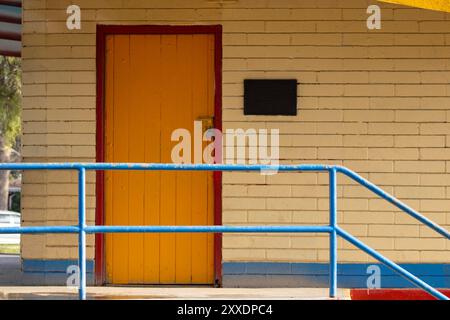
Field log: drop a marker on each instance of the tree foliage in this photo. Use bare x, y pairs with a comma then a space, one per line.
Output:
10, 99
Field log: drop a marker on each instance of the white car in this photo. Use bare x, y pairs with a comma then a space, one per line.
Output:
9, 219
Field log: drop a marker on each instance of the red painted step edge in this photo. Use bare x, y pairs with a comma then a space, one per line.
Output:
393, 294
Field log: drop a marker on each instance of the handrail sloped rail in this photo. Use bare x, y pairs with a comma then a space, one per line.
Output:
333, 229
390, 198
390, 264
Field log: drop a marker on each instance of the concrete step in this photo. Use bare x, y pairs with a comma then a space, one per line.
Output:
393, 294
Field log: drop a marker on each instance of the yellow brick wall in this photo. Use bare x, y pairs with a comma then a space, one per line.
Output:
374, 101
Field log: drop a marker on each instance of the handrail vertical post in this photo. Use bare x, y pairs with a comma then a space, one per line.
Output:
82, 232
333, 233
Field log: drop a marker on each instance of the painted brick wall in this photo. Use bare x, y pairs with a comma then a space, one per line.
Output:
375, 101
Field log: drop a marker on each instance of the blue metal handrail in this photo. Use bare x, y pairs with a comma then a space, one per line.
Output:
333, 229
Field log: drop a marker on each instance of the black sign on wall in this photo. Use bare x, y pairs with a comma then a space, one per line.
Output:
270, 97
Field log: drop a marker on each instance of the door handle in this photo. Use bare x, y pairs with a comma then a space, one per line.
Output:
207, 122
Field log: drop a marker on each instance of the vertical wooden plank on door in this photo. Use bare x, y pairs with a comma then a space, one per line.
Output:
199, 179
121, 133
152, 146
136, 106
168, 179
183, 111
210, 84
109, 156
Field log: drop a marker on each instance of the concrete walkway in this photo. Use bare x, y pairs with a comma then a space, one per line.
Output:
11, 276
10, 273
182, 293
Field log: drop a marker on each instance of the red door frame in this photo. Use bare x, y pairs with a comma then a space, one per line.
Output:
102, 31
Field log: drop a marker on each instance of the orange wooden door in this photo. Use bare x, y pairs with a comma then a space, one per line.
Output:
154, 85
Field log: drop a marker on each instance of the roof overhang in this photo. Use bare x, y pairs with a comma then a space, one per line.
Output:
11, 27
438, 5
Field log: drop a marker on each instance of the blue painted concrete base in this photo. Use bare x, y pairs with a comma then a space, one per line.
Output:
264, 274
52, 272
315, 275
